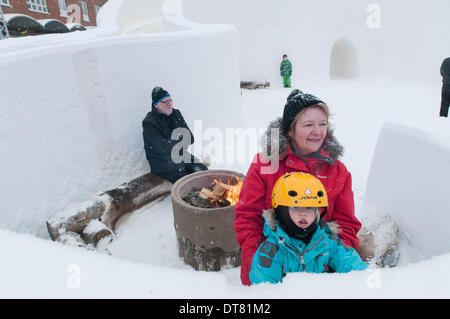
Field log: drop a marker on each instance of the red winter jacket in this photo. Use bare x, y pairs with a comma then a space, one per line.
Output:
257, 191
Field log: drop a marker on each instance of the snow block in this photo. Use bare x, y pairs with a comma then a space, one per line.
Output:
131, 16
409, 180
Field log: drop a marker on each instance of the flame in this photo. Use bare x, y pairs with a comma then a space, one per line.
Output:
233, 191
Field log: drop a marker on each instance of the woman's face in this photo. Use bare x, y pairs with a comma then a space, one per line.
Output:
310, 130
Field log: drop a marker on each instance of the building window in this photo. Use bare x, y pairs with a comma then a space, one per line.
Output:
63, 8
5, 2
84, 8
37, 5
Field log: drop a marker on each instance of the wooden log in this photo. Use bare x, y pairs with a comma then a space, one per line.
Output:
209, 195
72, 239
378, 242
366, 249
75, 220
252, 85
110, 205
390, 254
219, 189
95, 231
133, 195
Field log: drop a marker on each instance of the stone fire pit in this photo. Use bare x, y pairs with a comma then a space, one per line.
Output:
206, 237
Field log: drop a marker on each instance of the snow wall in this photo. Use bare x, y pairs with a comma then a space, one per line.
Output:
409, 180
402, 38
71, 113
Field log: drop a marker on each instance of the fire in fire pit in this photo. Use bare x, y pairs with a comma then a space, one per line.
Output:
204, 226
219, 194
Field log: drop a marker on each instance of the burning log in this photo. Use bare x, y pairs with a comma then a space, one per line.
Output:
215, 195
219, 194
224, 194
219, 189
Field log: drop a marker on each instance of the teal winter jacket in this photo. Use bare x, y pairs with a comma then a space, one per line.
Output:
280, 254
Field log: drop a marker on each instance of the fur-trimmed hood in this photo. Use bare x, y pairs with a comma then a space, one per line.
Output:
275, 143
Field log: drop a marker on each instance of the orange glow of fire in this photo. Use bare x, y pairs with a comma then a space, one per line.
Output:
233, 191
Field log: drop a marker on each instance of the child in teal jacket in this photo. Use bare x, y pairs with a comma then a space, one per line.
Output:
297, 240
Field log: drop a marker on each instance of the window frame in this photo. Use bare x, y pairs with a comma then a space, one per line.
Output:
85, 11
5, 3
63, 8
39, 6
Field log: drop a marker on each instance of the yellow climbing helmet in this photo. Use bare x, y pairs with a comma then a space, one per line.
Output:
298, 189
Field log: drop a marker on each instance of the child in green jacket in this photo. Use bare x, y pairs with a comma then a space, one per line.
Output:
286, 71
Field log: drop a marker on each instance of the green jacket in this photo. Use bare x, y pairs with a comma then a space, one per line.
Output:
285, 68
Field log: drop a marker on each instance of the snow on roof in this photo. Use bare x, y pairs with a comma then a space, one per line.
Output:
10, 16
44, 22
75, 26
53, 25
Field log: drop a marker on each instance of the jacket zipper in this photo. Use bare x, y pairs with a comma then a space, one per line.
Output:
301, 256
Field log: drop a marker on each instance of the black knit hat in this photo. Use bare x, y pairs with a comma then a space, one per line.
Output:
158, 93
296, 102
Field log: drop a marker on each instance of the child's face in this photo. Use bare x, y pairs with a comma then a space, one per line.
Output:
302, 216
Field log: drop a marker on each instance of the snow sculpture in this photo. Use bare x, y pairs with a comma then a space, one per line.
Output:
131, 16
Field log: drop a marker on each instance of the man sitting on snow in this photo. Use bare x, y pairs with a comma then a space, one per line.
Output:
166, 137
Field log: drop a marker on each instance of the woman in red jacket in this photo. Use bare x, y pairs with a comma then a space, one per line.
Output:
299, 141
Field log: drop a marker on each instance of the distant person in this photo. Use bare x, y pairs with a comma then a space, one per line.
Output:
296, 238
445, 102
286, 71
158, 128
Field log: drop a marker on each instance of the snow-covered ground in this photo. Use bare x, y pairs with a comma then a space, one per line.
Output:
145, 262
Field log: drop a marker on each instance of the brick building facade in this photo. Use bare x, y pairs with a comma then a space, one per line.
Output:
67, 11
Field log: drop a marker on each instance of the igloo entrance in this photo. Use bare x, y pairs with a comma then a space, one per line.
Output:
344, 62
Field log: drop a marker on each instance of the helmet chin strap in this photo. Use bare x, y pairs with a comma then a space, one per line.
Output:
324, 212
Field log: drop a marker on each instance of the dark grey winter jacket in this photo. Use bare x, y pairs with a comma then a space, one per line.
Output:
157, 133
445, 71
